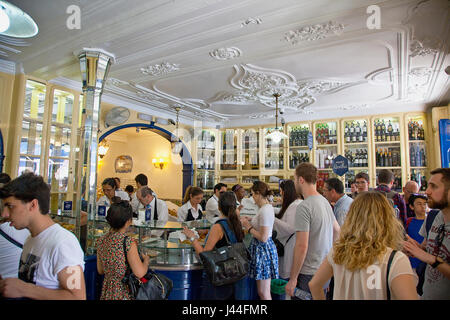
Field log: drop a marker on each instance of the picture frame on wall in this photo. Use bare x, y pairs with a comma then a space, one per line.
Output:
123, 164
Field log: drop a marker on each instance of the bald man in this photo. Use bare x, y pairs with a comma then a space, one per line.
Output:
410, 188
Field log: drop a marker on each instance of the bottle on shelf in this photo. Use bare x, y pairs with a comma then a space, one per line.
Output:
364, 131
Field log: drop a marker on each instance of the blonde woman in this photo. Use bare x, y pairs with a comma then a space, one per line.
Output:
359, 258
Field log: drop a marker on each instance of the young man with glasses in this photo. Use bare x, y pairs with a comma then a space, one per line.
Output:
362, 183
212, 206
435, 249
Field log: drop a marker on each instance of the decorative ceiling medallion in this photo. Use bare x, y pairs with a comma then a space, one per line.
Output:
314, 32
254, 84
160, 69
226, 53
251, 20
424, 48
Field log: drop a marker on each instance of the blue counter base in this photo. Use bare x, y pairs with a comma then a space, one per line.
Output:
187, 285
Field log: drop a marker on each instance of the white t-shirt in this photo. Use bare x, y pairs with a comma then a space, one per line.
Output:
212, 209
369, 283
45, 255
9, 252
264, 218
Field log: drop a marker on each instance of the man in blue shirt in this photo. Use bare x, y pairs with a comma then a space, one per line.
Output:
418, 204
334, 192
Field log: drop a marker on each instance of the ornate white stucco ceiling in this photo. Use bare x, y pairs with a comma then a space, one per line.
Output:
221, 60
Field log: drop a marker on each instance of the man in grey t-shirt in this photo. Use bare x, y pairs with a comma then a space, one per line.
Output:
316, 228
435, 248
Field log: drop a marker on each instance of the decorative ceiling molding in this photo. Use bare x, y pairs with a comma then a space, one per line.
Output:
161, 69
251, 20
147, 95
314, 32
255, 84
418, 80
226, 53
424, 48
261, 116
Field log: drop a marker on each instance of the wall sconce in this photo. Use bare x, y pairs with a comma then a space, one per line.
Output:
159, 163
103, 148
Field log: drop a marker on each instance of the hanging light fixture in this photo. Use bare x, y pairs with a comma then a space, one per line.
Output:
176, 143
16, 23
103, 148
276, 134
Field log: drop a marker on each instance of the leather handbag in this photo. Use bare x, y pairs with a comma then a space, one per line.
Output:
153, 286
228, 264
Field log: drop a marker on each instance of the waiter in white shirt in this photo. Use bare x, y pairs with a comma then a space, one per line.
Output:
212, 206
109, 190
119, 192
141, 181
158, 207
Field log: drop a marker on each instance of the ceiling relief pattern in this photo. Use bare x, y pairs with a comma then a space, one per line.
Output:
161, 69
314, 32
7, 44
226, 53
251, 20
424, 48
254, 84
418, 80
355, 107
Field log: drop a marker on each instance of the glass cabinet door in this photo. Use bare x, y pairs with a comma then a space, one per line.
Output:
228, 150
250, 149
206, 160
273, 152
326, 148
59, 150
298, 145
418, 159
32, 127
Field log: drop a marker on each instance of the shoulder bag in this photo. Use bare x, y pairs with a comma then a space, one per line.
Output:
153, 286
391, 257
228, 264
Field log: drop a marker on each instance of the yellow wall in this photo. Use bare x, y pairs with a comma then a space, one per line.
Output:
143, 147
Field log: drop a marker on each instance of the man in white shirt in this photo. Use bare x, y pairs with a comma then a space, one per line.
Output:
119, 192
212, 206
52, 262
158, 208
141, 181
11, 244
109, 188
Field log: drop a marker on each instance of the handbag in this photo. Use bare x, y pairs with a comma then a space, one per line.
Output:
153, 286
228, 264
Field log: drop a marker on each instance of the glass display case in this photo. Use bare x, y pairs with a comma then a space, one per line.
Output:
158, 239
387, 143
298, 145
206, 160
228, 150
273, 152
326, 148
418, 160
250, 149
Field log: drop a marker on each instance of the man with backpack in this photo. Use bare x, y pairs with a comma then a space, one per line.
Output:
385, 183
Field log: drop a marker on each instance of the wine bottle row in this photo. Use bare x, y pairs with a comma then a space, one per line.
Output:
387, 132
324, 158
326, 133
388, 157
415, 131
355, 132
357, 157
296, 158
274, 161
417, 157
298, 137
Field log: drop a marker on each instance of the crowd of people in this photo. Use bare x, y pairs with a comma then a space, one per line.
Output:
371, 244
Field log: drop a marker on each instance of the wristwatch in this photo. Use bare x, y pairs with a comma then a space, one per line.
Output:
437, 262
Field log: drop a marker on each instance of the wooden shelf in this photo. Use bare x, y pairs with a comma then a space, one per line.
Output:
326, 145
390, 168
356, 143
388, 142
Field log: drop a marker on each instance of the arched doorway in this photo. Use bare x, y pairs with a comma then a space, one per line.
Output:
188, 172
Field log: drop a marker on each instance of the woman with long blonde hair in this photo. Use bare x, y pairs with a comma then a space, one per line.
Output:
370, 237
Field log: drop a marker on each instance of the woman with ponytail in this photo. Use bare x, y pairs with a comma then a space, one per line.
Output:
264, 262
228, 222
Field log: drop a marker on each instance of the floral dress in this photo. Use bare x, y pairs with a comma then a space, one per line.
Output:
111, 255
